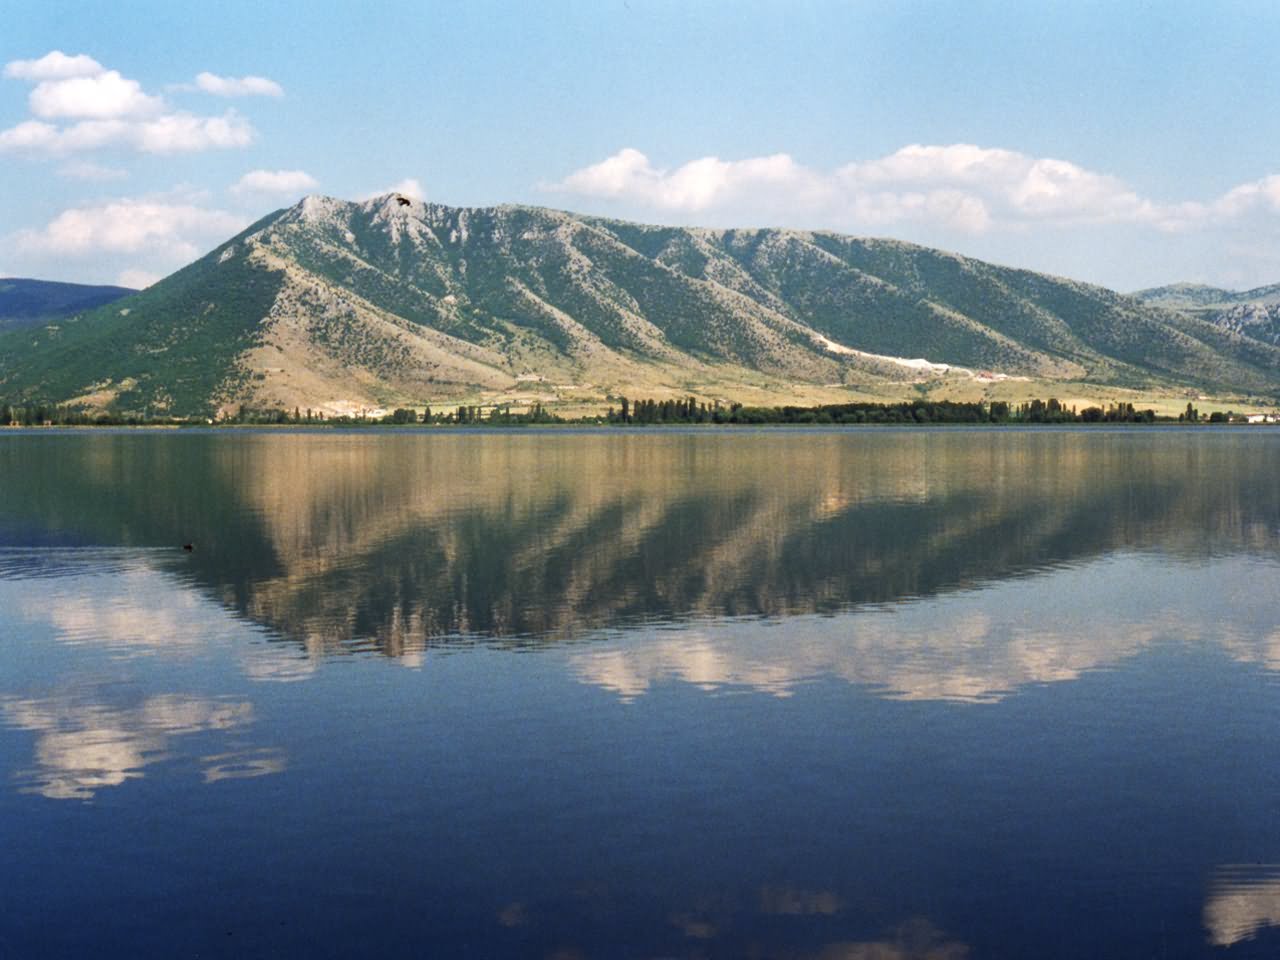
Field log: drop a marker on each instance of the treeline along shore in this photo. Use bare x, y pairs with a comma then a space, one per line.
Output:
626, 412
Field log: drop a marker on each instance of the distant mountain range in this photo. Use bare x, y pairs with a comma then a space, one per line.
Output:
1252, 313
27, 303
345, 306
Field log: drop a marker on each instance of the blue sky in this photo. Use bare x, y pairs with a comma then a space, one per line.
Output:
1123, 143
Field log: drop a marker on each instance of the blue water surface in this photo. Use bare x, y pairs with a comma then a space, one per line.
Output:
796, 694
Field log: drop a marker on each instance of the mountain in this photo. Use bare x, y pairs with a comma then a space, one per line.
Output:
1249, 313
27, 303
343, 306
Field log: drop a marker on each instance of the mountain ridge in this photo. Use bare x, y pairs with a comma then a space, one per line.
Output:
27, 302
344, 306
1253, 313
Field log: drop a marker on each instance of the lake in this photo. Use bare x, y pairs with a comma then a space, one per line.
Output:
876, 694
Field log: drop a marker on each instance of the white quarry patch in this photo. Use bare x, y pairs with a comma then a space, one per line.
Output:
916, 363
227, 254
987, 376
124, 312
450, 299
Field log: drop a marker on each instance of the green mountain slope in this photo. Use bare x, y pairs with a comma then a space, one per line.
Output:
347, 306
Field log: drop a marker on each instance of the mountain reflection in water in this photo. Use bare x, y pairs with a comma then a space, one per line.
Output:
785, 694
399, 542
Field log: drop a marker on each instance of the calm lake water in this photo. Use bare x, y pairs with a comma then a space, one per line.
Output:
844, 695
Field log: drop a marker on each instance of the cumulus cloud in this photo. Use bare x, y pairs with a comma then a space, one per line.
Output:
100, 96
29, 135
1261, 195
238, 86
962, 187
167, 133
697, 185
408, 187
78, 105
275, 181
54, 65
184, 132
129, 225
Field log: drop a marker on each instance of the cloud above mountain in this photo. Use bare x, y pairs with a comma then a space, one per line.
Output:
174, 228
79, 105
287, 182
409, 187
961, 187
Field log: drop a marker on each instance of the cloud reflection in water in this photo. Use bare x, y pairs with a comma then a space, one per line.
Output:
84, 747
973, 646
1243, 899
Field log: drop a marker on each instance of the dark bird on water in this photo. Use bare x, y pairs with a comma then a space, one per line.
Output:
188, 547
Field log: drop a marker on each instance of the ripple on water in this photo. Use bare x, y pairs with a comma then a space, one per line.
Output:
48, 563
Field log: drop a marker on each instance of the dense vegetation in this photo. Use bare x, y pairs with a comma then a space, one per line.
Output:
169, 350
923, 411
687, 410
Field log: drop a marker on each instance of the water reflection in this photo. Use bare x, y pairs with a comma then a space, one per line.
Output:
915, 940
242, 764
89, 736
402, 542
779, 923
1243, 899
856, 585
974, 646
83, 747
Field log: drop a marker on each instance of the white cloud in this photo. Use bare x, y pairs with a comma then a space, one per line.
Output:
275, 181
697, 185
408, 187
238, 86
168, 133
29, 135
178, 230
100, 108
1261, 195
957, 186
137, 279
54, 65
87, 170
100, 96
184, 133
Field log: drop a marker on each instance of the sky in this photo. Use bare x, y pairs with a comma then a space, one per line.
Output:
1124, 143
